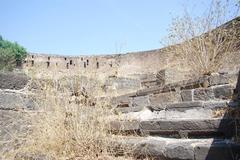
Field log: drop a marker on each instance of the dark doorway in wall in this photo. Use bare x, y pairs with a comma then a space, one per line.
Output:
65, 58
70, 62
97, 64
32, 56
48, 58
56, 64
48, 64
81, 59
110, 64
84, 64
32, 62
67, 66
87, 61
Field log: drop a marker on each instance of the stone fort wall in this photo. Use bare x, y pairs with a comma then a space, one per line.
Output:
133, 65
122, 65
129, 64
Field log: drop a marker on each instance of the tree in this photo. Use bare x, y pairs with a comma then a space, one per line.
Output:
204, 42
10, 54
7, 59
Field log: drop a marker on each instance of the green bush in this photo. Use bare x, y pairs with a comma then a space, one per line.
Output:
7, 59
11, 53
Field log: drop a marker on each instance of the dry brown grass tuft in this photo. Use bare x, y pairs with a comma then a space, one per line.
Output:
70, 126
231, 112
219, 112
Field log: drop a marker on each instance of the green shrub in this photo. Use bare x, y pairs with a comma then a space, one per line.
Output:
7, 59
11, 53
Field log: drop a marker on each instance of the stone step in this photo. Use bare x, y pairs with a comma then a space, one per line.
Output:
192, 110
183, 106
189, 127
177, 149
160, 100
188, 90
183, 110
149, 83
178, 128
198, 110
206, 81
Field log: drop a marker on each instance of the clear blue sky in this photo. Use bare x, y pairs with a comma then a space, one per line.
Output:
74, 27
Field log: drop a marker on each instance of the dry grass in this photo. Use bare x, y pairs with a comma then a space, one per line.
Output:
219, 112
69, 125
205, 46
230, 112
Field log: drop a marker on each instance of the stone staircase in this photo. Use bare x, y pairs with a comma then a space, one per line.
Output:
187, 120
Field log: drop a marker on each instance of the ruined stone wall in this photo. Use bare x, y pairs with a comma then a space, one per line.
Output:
130, 65
127, 65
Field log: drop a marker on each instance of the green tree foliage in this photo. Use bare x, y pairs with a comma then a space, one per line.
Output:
10, 54
7, 59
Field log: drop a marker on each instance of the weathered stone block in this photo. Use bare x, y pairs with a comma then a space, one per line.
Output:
184, 106
225, 126
147, 91
13, 80
203, 94
164, 98
122, 99
150, 148
223, 92
15, 101
218, 80
140, 101
187, 95
215, 105
148, 84
183, 151
189, 113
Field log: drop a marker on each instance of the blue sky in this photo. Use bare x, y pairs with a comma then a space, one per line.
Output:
86, 27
